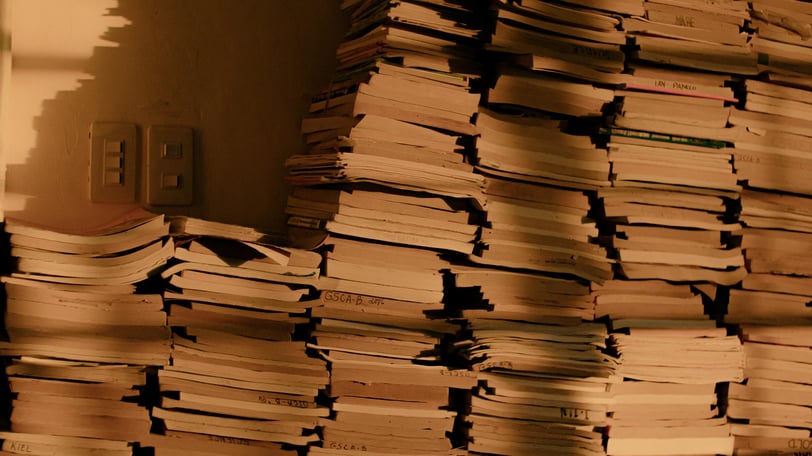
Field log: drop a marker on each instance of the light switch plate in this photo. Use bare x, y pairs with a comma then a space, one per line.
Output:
113, 162
170, 166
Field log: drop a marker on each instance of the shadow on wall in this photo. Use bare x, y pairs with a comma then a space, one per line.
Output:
240, 72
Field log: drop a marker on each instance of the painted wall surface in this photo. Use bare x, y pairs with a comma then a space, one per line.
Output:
240, 72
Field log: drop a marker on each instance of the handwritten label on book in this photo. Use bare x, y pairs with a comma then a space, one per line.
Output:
493, 365
349, 298
345, 446
800, 444
229, 440
574, 414
458, 373
17, 447
298, 403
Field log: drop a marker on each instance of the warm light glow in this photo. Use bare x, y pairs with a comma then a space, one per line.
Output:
51, 42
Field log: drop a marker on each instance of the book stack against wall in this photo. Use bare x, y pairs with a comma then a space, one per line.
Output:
382, 327
671, 357
770, 409
534, 145
542, 382
524, 293
386, 176
397, 114
673, 185
389, 133
240, 379
672, 181
83, 323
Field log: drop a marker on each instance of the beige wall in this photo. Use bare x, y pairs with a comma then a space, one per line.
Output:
240, 72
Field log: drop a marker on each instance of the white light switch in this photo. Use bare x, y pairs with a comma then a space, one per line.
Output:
113, 162
170, 166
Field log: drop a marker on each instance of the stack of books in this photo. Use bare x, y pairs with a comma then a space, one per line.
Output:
541, 228
772, 154
782, 30
553, 52
669, 141
542, 372
694, 34
384, 215
542, 376
390, 405
671, 235
67, 404
397, 114
672, 181
775, 240
381, 324
534, 145
542, 387
486, 293
240, 376
83, 324
770, 411
386, 186
666, 402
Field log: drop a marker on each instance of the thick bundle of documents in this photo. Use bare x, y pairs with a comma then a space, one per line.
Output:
378, 327
667, 404
538, 149
542, 373
783, 29
646, 299
776, 242
542, 387
238, 375
124, 253
770, 409
385, 404
579, 34
388, 216
399, 101
80, 335
672, 235
773, 153
62, 404
392, 128
494, 294
694, 34
540, 228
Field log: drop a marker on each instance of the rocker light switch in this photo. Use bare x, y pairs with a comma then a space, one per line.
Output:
170, 166
113, 162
